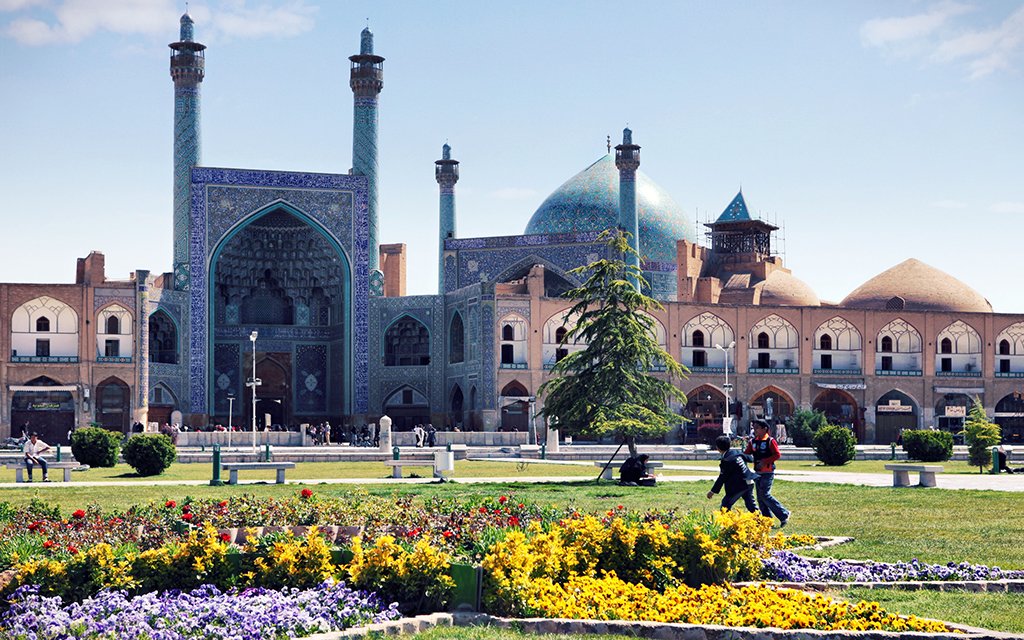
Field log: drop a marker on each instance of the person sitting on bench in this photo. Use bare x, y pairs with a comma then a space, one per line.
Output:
633, 472
34, 447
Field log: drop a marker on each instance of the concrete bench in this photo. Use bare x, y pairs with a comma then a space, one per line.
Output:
901, 474
19, 469
606, 474
396, 466
234, 467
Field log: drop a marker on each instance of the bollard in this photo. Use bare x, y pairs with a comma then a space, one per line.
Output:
266, 453
893, 455
202, 448
396, 453
216, 481
995, 460
448, 447
543, 451
58, 453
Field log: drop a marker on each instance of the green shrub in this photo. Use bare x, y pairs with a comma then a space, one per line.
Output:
149, 454
803, 424
834, 445
927, 445
96, 446
980, 436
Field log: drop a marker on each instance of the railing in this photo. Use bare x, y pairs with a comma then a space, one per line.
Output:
837, 372
49, 359
902, 373
774, 370
514, 365
711, 370
958, 374
1010, 374
115, 359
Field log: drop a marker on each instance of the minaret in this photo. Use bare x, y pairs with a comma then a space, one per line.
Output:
446, 171
367, 80
187, 70
627, 160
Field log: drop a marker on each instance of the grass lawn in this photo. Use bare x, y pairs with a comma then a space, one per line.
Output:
855, 466
996, 611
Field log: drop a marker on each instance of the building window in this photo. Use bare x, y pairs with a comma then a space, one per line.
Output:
113, 325
700, 358
764, 360
826, 343
1004, 366
507, 354
946, 346
406, 343
163, 339
826, 360
886, 363
456, 340
887, 345
560, 353
508, 333
560, 334
762, 341
698, 339
112, 348
43, 325
406, 396
42, 348
947, 364
1004, 347
158, 395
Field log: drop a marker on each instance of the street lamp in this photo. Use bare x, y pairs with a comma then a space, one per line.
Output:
728, 387
253, 382
231, 413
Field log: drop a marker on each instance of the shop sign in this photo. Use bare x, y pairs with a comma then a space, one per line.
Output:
44, 406
956, 412
894, 406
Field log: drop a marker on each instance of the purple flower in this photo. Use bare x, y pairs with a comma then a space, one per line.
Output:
786, 566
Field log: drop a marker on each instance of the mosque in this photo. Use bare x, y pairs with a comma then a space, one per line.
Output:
280, 277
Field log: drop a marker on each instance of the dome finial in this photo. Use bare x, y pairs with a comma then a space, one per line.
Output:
608, 142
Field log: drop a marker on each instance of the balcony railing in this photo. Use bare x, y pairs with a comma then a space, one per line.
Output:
899, 373
115, 359
711, 370
958, 374
786, 371
1010, 374
514, 365
838, 372
48, 359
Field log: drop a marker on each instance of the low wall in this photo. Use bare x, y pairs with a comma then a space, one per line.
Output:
469, 438
239, 438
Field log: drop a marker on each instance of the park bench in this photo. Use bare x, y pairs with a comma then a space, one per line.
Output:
397, 465
606, 474
234, 467
19, 469
901, 474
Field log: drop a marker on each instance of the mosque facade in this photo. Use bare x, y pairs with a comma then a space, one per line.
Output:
278, 277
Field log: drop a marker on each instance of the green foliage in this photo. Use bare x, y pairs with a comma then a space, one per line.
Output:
150, 454
608, 388
928, 446
834, 445
980, 436
96, 446
803, 424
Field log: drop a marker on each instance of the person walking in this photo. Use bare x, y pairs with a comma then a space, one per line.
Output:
765, 451
33, 449
734, 475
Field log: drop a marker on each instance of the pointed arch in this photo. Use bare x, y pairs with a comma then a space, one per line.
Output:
772, 404
699, 336
407, 406
113, 404
774, 346
163, 338
895, 411
514, 389
556, 280
44, 328
456, 339
902, 335
555, 329
406, 343
513, 330
959, 338
837, 347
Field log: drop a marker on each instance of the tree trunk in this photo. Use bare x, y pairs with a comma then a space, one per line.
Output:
631, 443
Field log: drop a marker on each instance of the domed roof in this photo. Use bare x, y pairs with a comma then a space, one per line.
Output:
915, 286
783, 289
589, 201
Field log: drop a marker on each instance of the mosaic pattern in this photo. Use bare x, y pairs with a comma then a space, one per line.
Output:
736, 211
431, 312
227, 376
310, 378
240, 193
187, 154
123, 297
364, 163
142, 330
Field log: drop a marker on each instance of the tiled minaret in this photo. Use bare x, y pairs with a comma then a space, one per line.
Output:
367, 80
446, 171
187, 70
627, 161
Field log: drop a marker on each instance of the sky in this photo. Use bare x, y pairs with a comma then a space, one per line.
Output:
869, 131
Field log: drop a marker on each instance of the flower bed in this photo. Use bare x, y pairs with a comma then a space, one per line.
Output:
251, 613
786, 566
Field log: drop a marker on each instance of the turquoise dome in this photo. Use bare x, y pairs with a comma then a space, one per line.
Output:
589, 201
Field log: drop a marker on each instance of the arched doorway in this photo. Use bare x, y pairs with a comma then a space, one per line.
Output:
705, 406
771, 404
162, 404
407, 408
515, 414
1009, 415
455, 406
273, 397
894, 412
951, 413
113, 405
840, 408
43, 406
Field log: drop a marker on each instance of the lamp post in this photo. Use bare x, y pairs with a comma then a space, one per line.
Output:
727, 387
231, 413
254, 382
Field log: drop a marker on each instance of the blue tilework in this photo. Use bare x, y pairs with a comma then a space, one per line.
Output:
736, 211
187, 154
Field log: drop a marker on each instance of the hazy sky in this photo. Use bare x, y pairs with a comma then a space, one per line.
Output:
871, 132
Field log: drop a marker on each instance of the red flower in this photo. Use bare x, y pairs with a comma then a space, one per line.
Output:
307, 494
78, 514
447, 533
415, 532
35, 525
522, 506
497, 512
222, 504
72, 549
170, 504
48, 544
620, 507
185, 508
503, 499
186, 516
513, 521
483, 509
224, 537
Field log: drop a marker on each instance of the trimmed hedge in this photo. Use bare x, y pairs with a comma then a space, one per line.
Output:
150, 454
835, 445
95, 446
928, 446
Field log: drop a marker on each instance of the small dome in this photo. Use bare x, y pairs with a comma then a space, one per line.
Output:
914, 286
589, 201
784, 290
